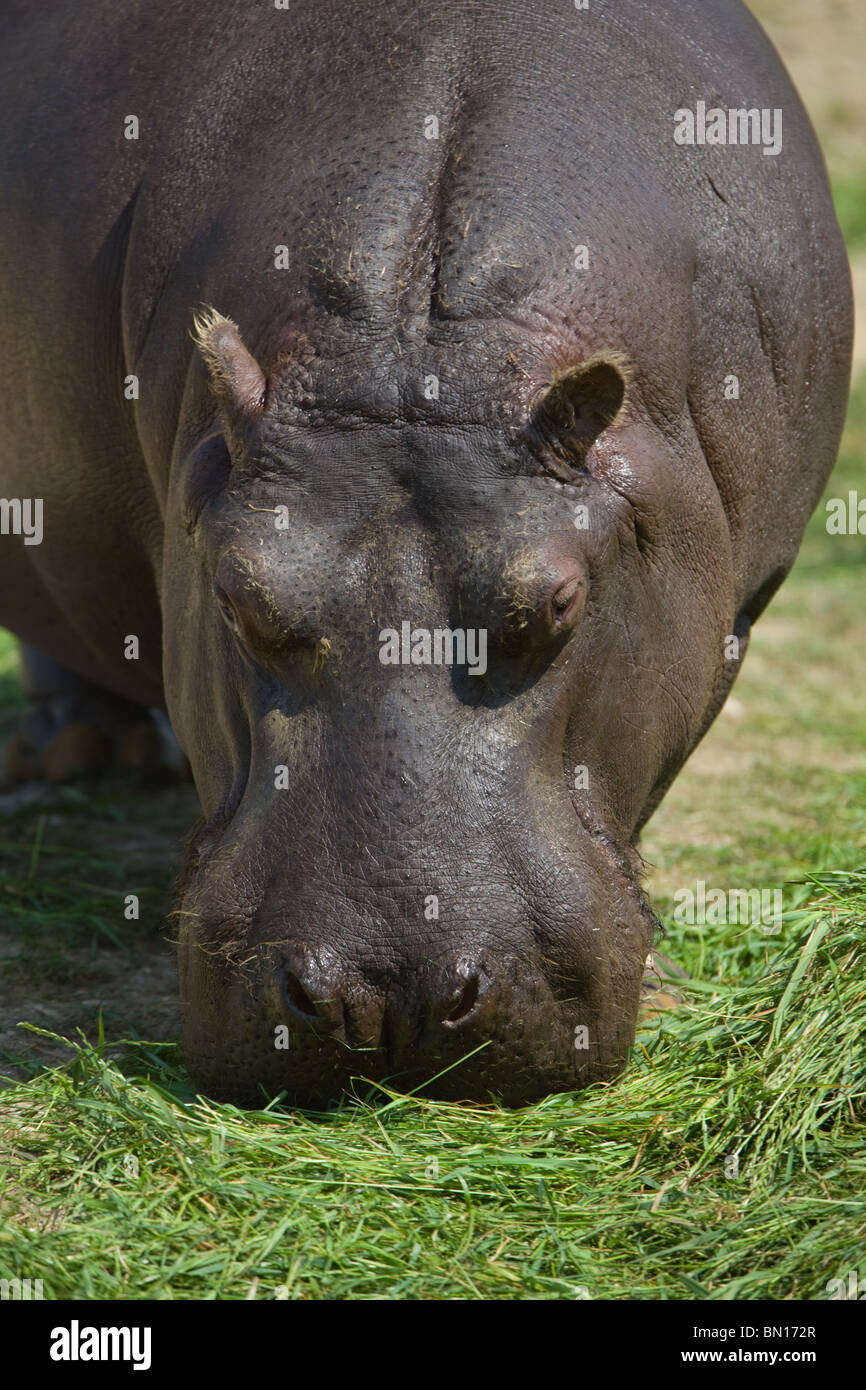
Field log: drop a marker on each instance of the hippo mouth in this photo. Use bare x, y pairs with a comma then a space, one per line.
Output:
270, 1013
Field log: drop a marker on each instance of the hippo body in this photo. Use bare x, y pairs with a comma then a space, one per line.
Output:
323, 321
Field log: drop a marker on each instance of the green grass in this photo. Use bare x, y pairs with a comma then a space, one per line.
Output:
727, 1164
11, 699
62, 882
115, 1182
849, 195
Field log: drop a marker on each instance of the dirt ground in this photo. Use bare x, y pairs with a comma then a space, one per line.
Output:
56, 978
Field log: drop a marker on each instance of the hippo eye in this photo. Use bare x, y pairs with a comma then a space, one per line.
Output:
225, 608
563, 598
206, 474
567, 601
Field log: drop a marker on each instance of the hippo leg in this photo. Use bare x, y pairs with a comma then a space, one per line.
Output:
74, 728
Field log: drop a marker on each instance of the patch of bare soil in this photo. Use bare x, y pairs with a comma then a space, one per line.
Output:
62, 985
136, 995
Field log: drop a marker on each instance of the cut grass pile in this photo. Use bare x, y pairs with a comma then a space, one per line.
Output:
728, 1163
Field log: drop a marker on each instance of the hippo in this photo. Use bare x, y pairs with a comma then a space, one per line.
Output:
418, 405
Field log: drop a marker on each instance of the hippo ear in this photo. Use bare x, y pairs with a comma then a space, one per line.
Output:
582, 401
237, 379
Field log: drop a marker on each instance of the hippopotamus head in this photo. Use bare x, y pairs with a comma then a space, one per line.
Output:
443, 619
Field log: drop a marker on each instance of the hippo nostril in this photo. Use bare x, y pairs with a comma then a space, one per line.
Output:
466, 1003
298, 996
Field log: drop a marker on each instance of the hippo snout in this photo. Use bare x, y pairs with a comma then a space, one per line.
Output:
312, 1024
334, 1002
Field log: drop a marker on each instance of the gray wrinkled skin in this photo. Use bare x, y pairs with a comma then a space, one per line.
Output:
308, 905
